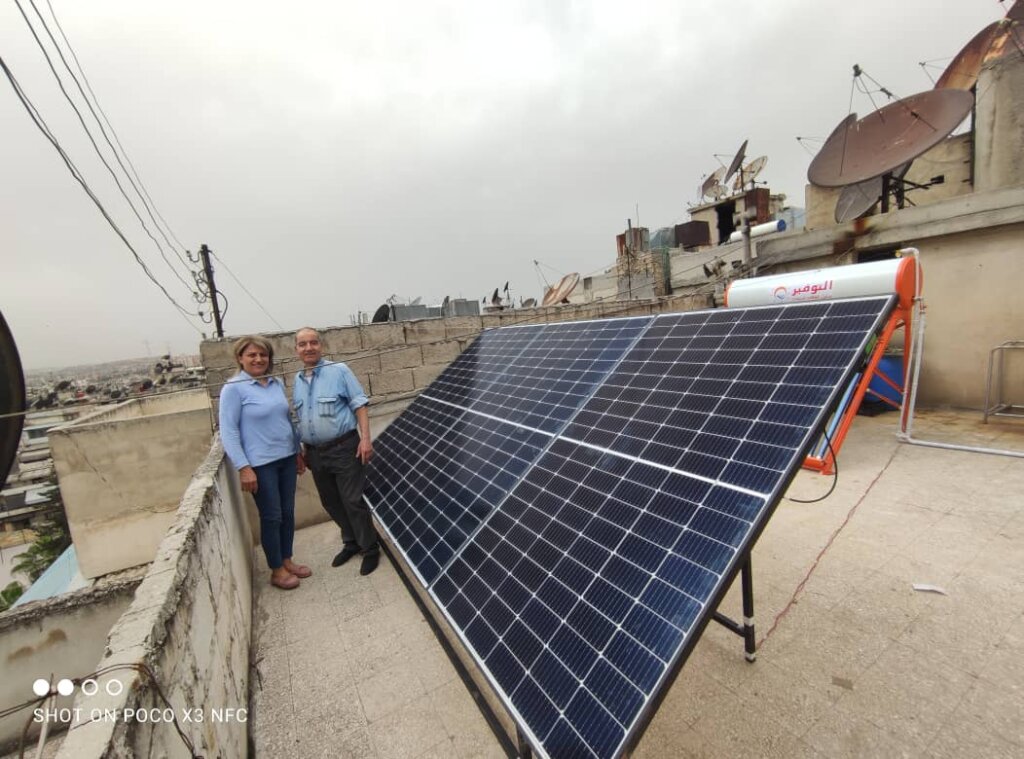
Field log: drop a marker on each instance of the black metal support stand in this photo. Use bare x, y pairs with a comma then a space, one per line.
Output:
745, 630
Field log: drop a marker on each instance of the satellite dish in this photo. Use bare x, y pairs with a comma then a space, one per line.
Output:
417, 301
750, 172
737, 161
962, 72
12, 399
561, 291
495, 299
719, 191
713, 179
382, 314
889, 137
446, 301
857, 199
530, 303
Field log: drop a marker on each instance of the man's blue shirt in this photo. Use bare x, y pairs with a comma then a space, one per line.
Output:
255, 425
325, 403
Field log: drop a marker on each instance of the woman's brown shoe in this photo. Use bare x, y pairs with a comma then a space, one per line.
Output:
299, 570
285, 582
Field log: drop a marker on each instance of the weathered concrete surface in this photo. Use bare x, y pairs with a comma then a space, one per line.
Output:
60, 637
348, 667
190, 626
122, 471
860, 664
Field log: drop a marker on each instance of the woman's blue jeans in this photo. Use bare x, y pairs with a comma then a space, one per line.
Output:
275, 499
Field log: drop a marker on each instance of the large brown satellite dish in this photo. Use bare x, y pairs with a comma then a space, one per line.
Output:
962, 72
889, 137
737, 161
562, 290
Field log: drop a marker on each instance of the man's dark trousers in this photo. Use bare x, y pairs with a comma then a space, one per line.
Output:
339, 478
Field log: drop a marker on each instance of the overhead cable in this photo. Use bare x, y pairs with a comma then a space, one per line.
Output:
110, 126
40, 123
92, 140
246, 290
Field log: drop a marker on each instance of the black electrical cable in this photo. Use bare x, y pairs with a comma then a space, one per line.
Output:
88, 133
246, 290
835, 475
40, 123
110, 126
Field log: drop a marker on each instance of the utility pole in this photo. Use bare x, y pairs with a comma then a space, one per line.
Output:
204, 252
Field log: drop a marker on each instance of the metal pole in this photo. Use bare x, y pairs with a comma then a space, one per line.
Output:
629, 260
749, 637
204, 252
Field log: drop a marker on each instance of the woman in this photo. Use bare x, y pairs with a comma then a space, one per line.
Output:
261, 441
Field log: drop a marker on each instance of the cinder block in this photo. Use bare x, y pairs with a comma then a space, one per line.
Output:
441, 353
400, 358
387, 383
364, 365
458, 326
424, 375
424, 331
384, 335
491, 320
341, 340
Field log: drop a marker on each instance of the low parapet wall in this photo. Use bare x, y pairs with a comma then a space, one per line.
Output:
60, 638
178, 659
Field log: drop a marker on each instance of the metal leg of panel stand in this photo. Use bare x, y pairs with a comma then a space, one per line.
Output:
745, 630
749, 639
523, 745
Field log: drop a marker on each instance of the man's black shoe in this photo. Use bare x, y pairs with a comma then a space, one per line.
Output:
345, 554
369, 564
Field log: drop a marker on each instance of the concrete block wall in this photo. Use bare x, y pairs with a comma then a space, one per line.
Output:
189, 626
394, 361
121, 473
60, 637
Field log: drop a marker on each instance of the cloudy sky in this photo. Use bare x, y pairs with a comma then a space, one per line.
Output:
333, 154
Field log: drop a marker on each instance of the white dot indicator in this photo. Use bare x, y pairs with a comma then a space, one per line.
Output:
41, 687
65, 687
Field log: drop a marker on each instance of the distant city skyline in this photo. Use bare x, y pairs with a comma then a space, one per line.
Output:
337, 156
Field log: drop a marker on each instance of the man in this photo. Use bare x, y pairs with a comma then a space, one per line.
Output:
335, 429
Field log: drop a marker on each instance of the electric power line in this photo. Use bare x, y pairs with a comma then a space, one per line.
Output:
245, 290
88, 133
40, 123
110, 126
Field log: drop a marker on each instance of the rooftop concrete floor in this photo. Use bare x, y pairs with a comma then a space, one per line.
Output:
858, 664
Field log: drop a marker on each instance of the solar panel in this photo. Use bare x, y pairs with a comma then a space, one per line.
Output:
458, 450
582, 591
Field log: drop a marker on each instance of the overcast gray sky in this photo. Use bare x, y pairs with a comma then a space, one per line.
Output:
335, 153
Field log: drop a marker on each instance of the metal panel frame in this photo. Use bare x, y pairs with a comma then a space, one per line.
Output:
740, 559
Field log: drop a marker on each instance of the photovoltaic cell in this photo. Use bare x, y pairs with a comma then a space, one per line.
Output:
450, 458
537, 375
583, 589
438, 472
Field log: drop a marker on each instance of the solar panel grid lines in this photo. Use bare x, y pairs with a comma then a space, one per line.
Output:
695, 415
582, 591
620, 619
440, 473
532, 391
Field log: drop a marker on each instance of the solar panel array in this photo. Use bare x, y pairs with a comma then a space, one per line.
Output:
578, 547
